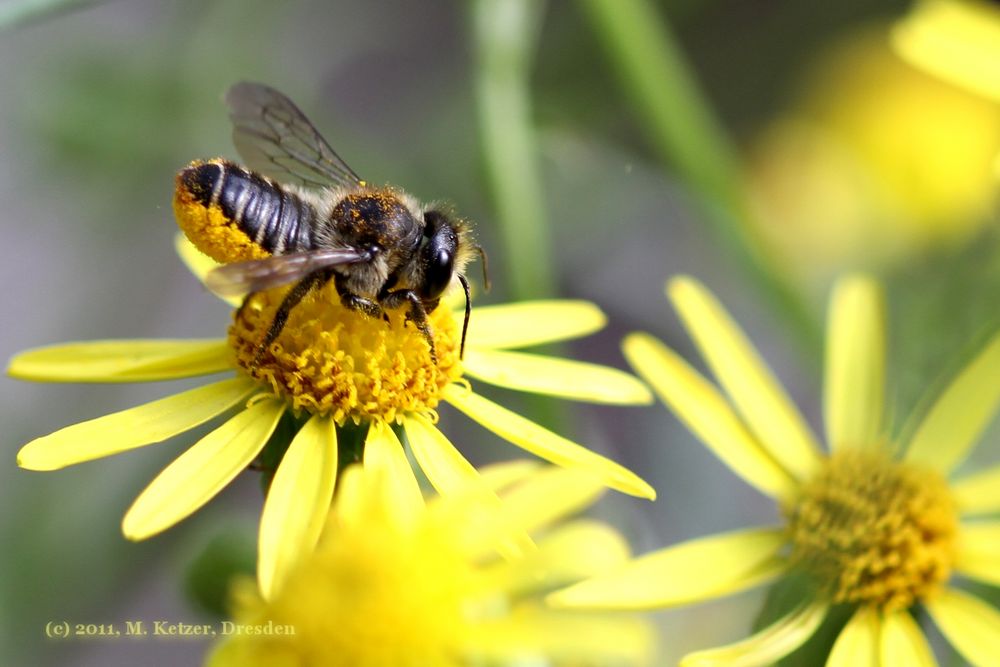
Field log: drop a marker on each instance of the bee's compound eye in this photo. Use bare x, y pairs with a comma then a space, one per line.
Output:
439, 267
438, 254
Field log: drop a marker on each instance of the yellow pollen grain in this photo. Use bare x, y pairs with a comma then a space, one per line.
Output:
337, 362
873, 531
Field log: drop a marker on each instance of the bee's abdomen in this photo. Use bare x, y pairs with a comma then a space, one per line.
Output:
232, 214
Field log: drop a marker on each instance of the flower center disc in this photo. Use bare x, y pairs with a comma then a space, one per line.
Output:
874, 531
338, 362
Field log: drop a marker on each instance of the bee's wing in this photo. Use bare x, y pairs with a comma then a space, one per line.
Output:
261, 274
276, 139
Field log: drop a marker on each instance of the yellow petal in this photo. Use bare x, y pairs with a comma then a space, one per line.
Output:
747, 380
957, 41
859, 643
384, 456
855, 363
572, 551
501, 476
532, 323
706, 413
564, 378
202, 471
505, 526
532, 636
199, 264
297, 503
349, 503
692, 571
978, 554
985, 569
453, 476
978, 493
544, 443
765, 647
445, 467
971, 625
121, 361
904, 643
135, 427
576, 550
548, 496
955, 422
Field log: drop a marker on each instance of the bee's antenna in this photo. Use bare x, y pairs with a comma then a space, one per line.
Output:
468, 312
486, 267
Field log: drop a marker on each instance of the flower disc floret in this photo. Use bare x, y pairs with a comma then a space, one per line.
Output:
874, 531
333, 361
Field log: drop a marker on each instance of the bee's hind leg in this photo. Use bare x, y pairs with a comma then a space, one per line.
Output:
416, 314
292, 299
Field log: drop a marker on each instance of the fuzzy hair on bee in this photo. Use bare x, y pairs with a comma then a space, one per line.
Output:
296, 213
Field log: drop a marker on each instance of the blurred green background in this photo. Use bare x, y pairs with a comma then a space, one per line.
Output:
591, 171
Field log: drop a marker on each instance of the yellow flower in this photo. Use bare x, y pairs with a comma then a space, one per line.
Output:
872, 523
957, 40
396, 582
329, 367
874, 164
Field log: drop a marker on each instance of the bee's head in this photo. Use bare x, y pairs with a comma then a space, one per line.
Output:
448, 247
437, 254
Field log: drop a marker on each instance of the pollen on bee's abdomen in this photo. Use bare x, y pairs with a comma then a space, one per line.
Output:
204, 221
338, 362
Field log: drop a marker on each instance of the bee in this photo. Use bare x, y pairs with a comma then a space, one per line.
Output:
297, 213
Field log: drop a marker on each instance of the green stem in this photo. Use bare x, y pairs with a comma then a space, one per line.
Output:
505, 37
678, 119
17, 14
680, 124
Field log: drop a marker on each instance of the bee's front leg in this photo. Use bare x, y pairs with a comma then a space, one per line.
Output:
243, 305
358, 303
416, 314
292, 299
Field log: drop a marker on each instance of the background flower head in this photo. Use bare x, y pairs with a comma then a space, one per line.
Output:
876, 163
398, 582
873, 522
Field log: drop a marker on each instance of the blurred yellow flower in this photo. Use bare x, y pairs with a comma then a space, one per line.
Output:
872, 523
876, 163
330, 366
957, 40
397, 582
